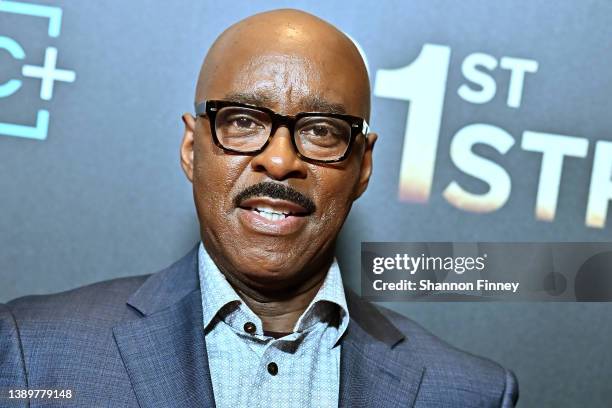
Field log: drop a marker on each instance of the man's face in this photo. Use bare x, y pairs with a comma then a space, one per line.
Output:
296, 75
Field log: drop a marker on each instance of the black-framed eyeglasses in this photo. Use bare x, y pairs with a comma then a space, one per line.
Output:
246, 129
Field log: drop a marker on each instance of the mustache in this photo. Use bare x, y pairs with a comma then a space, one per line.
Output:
275, 190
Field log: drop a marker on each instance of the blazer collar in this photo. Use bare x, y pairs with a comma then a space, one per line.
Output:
164, 350
167, 287
378, 364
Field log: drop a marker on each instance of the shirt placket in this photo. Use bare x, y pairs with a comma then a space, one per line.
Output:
274, 370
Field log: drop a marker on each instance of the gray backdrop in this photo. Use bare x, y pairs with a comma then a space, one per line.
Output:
103, 196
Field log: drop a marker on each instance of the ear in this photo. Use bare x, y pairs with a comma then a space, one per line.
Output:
366, 165
187, 145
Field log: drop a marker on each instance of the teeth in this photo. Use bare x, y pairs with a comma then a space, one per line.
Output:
269, 212
271, 216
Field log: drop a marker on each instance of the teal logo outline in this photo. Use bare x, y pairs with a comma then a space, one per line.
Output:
48, 73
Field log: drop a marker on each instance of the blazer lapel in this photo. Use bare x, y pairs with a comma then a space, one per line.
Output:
164, 351
373, 372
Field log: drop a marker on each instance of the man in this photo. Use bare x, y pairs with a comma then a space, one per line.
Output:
255, 315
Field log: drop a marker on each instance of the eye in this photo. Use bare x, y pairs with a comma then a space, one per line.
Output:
319, 130
244, 122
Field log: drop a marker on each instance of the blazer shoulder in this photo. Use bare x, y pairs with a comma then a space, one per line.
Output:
12, 368
456, 368
431, 347
99, 301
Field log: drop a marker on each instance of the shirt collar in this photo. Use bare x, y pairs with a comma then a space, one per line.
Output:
217, 293
216, 290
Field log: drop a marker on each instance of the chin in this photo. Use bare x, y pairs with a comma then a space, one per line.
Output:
269, 271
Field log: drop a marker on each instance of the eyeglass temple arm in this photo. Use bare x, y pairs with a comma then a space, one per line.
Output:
365, 129
200, 108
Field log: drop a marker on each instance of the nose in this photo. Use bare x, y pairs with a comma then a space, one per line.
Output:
279, 160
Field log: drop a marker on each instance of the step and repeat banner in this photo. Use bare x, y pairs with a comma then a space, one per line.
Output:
494, 127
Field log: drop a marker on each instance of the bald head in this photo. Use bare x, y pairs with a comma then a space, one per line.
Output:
285, 57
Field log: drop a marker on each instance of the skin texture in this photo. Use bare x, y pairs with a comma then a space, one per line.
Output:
291, 62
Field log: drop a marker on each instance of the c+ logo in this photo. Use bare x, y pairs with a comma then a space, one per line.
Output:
48, 73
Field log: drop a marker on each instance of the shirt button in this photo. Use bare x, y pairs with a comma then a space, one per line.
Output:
250, 327
273, 368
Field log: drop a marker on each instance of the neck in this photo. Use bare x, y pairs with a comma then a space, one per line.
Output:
280, 311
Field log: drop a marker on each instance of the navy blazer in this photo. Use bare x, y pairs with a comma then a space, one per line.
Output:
138, 342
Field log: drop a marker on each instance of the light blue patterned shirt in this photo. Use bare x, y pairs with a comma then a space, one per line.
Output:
242, 364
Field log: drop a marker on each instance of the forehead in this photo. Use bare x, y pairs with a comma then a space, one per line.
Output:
294, 76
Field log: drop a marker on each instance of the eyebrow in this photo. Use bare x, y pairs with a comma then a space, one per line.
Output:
316, 103
310, 103
256, 98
